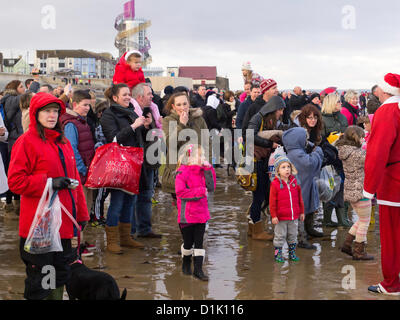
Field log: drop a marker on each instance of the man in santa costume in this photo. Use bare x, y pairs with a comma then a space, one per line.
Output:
382, 177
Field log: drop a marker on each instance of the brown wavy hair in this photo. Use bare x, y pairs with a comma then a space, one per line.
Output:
307, 111
351, 137
171, 101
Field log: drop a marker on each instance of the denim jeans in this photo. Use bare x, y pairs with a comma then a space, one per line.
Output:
262, 191
120, 209
141, 217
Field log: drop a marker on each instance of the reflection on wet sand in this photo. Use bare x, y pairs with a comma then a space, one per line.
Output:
238, 267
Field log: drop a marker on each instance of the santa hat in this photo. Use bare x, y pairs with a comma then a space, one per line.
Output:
246, 66
129, 53
267, 84
391, 84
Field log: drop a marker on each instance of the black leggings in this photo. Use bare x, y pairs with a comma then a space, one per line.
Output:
193, 234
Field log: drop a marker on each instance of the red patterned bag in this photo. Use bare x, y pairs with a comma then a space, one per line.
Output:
116, 167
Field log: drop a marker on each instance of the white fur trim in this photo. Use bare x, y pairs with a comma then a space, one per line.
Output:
384, 291
368, 195
129, 53
199, 252
185, 252
388, 88
388, 203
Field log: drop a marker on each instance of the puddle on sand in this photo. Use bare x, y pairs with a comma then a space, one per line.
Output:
238, 267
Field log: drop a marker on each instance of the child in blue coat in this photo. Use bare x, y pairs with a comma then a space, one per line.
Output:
308, 160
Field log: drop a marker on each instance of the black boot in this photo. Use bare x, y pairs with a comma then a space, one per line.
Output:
186, 260
303, 243
198, 264
187, 265
309, 226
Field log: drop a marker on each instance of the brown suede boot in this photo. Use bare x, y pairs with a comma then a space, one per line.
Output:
250, 229
359, 252
125, 236
259, 233
347, 244
112, 240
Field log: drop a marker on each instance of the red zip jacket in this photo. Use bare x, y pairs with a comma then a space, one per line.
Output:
286, 203
33, 161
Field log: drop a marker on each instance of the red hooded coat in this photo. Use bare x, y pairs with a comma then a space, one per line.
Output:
125, 74
33, 161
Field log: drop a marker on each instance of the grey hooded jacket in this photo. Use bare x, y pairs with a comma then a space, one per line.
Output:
307, 165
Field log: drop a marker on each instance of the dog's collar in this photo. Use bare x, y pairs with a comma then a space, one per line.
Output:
77, 261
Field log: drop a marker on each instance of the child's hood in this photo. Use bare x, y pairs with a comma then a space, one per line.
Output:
123, 60
294, 138
346, 151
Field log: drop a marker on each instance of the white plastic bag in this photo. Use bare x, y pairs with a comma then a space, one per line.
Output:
328, 184
279, 152
44, 235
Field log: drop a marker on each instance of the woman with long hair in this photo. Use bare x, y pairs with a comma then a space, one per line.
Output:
179, 116
335, 124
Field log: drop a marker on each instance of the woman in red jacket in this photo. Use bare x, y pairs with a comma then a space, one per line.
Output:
42, 153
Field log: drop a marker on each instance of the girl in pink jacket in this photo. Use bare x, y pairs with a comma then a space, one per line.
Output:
195, 177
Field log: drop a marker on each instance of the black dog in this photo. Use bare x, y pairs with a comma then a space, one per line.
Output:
87, 284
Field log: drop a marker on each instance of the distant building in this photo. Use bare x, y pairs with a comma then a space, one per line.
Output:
16, 65
202, 76
173, 71
153, 72
87, 64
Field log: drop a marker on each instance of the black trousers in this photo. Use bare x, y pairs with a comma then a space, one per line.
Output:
193, 235
34, 263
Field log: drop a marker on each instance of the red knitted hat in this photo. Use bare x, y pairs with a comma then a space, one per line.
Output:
391, 84
267, 84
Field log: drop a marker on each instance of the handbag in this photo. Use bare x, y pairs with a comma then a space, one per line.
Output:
247, 180
116, 167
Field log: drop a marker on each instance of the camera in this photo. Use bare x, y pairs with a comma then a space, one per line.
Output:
146, 111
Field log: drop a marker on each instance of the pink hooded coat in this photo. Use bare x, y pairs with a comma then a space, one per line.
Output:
191, 193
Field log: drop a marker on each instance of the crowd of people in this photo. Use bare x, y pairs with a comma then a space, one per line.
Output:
53, 133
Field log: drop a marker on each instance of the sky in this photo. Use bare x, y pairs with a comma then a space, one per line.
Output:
311, 43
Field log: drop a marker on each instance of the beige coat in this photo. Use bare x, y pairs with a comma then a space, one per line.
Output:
353, 159
197, 123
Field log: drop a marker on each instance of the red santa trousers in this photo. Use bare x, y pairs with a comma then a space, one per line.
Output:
389, 226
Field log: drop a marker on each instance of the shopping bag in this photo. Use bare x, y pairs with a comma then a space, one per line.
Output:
44, 235
116, 167
279, 152
328, 184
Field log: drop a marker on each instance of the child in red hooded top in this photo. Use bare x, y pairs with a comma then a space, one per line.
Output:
286, 207
195, 177
129, 69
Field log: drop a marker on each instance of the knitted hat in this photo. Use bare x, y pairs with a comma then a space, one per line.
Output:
246, 66
267, 84
391, 84
314, 95
279, 160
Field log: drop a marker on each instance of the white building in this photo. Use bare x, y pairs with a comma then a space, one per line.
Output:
87, 64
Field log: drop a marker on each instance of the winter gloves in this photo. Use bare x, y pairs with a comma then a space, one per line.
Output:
61, 183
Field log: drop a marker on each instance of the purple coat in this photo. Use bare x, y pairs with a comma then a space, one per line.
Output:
191, 186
